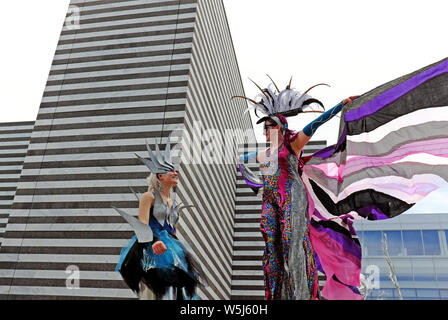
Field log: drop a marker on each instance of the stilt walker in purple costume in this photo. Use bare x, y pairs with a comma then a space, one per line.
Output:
289, 260
392, 151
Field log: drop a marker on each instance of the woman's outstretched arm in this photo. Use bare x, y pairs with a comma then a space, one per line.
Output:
305, 135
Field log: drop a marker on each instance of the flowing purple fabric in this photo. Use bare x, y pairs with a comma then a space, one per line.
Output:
344, 184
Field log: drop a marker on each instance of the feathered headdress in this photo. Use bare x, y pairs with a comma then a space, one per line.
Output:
158, 163
288, 102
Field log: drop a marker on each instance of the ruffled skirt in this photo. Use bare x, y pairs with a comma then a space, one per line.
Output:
176, 267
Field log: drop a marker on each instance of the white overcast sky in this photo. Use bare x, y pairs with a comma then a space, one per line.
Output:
352, 45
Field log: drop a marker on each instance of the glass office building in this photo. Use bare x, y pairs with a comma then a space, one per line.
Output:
418, 248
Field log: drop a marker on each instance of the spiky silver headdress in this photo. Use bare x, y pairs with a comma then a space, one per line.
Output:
158, 163
288, 102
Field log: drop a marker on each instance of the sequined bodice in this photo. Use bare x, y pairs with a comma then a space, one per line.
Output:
162, 216
272, 170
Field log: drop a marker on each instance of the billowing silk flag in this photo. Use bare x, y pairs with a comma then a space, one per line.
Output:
392, 152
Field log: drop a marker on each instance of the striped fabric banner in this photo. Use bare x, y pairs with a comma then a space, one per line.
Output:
392, 152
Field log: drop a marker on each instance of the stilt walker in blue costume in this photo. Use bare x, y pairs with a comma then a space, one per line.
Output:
155, 257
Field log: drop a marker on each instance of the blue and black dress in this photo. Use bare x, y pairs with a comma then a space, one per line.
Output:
174, 269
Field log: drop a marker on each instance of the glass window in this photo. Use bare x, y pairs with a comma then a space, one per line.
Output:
423, 270
424, 277
396, 296
403, 270
385, 294
408, 293
385, 280
428, 293
405, 277
384, 277
394, 244
374, 293
441, 267
372, 242
431, 242
444, 294
442, 276
413, 242
381, 294
446, 237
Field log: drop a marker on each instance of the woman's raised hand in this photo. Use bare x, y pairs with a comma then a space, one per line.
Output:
349, 100
159, 248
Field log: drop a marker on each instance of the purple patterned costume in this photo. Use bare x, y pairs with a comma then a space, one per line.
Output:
285, 277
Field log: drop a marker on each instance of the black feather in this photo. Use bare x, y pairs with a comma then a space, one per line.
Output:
310, 101
272, 98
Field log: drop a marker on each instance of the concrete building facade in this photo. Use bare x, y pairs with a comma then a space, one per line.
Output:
137, 71
14, 140
131, 71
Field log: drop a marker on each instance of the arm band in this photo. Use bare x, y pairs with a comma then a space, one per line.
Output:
249, 157
311, 128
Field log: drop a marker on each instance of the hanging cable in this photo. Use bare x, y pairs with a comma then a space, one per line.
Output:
169, 72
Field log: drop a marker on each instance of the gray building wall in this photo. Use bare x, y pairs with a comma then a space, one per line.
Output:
134, 70
211, 121
14, 140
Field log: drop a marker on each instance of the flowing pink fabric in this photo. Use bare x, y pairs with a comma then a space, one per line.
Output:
334, 290
335, 256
